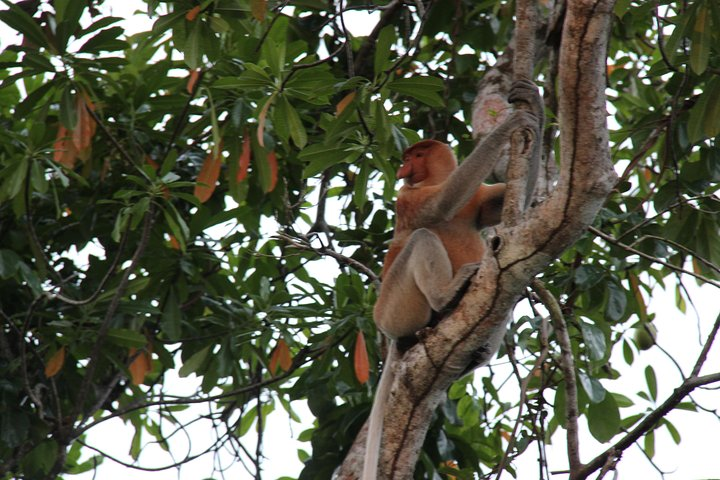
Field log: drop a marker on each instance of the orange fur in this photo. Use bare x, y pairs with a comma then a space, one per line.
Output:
426, 167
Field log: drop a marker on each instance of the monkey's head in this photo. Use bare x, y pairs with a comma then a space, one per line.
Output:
428, 162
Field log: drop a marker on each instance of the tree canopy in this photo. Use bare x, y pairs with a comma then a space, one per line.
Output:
170, 200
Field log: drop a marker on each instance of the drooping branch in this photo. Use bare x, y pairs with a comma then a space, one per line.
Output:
524, 384
567, 365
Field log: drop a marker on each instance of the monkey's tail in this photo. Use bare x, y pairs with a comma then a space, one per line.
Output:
375, 423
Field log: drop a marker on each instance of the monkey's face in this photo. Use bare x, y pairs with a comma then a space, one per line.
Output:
415, 166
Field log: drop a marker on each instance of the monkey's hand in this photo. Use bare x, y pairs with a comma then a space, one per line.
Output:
526, 92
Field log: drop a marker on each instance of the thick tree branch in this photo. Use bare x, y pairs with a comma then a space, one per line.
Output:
525, 28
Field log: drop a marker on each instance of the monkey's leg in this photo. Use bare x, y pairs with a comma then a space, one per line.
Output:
419, 281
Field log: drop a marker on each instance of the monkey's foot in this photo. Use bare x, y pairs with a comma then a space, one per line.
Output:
458, 287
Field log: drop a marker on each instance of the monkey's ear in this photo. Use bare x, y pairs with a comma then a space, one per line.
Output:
490, 210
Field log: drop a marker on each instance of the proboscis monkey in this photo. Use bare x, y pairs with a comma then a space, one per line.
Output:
437, 245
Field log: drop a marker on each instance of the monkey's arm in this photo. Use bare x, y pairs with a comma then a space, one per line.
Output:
468, 177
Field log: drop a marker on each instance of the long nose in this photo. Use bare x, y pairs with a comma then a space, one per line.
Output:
404, 171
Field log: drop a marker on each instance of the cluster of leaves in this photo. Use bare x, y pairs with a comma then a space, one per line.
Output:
663, 218
169, 157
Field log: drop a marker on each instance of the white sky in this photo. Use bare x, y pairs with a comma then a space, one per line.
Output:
680, 334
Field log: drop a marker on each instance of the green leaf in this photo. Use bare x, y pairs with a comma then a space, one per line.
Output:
382, 124
28, 104
14, 428
594, 340
616, 302
138, 211
67, 14
9, 263
136, 443
701, 38
622, 401
177, 225
320, 157
297, 130
194, 362
361, 185
14, 179
166, 22
99, 24
382, 48
193, 46
126, 338
246, 422
422, 88
274, 54
711, 117
628, 354
38, 62
651, 380
280, 118
649, 444
16, 18
252, 78
604, 419
468, 410
167, 165
68, 113
219, 25
40, 459
594, 389
105, 40
673, 431
313, 85
171, 322
680, 300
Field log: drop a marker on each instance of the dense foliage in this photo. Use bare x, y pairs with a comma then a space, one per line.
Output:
171, 200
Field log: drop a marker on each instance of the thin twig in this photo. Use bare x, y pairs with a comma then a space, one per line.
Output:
123, 153
683, 201
706, 348
182, 118
299, 360
567, 365
644, 255
680, 247
304, 244
260, 426
412, 47
524, 383
112, 308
